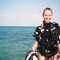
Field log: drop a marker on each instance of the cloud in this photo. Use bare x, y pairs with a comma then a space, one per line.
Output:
6, 15
35, 15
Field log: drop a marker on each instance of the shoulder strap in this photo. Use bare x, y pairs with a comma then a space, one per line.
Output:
55, 29
55, 24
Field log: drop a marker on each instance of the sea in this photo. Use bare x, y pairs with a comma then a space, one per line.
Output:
16, 41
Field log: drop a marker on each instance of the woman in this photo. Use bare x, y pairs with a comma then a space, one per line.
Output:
47, 38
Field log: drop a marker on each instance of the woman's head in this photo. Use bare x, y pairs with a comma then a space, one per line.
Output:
47, 14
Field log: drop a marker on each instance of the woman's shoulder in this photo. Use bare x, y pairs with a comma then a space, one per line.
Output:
38, 27
54, 22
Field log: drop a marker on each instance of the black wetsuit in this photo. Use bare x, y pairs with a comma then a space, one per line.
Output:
47, 44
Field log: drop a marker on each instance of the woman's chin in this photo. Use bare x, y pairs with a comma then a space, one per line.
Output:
47, 22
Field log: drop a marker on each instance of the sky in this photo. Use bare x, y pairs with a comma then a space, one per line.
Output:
27, 12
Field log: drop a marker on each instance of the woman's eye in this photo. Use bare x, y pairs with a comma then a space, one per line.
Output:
45, 15
49, 15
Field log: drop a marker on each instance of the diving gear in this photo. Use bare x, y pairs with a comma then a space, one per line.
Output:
31, 55
46, 35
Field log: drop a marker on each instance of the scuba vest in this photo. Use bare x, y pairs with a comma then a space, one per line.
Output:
47, 45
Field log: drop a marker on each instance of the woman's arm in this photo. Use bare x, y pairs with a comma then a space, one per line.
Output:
59, 51
35, 45
59, 43
59, 47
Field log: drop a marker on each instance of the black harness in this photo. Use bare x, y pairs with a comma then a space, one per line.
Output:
47, 45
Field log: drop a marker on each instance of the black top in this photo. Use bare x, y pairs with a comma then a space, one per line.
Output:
47, 32
47, 42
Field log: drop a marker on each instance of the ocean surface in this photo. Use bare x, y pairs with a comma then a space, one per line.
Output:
15, 41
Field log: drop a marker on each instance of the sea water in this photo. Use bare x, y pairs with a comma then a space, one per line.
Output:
15, 41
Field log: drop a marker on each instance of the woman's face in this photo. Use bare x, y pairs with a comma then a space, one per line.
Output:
47, 16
